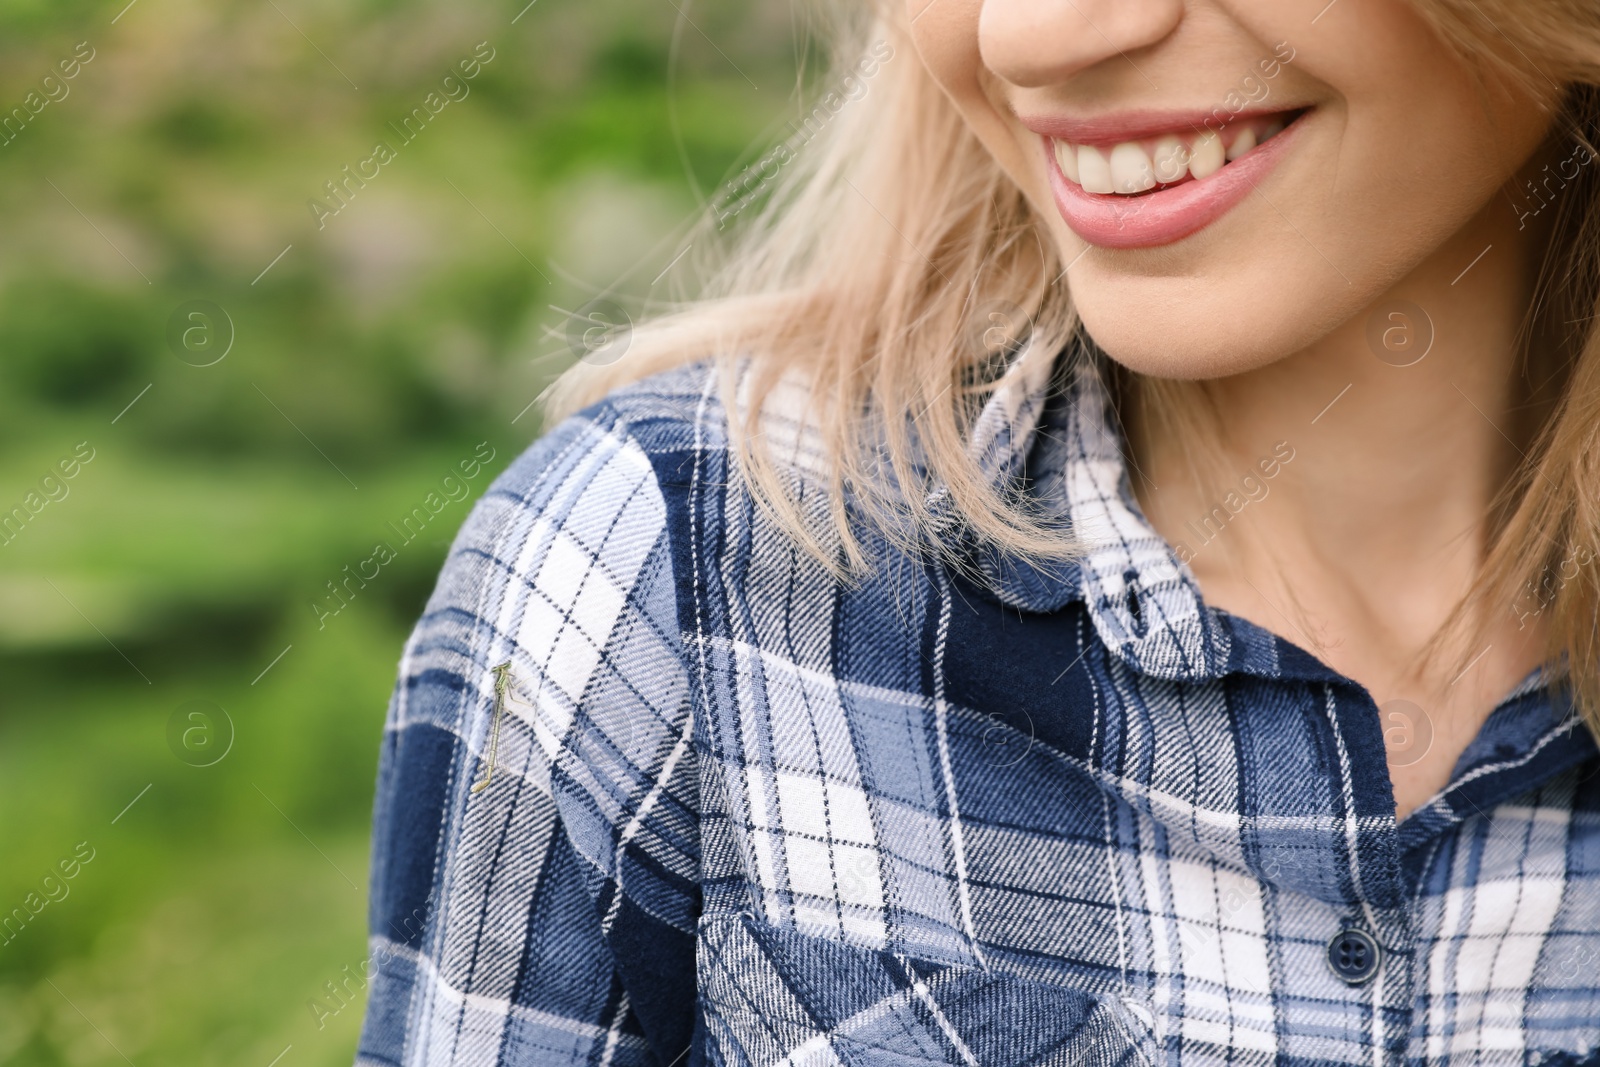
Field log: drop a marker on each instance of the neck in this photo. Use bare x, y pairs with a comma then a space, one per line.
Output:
1362, 545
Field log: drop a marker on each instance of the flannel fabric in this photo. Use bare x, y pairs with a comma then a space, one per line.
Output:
742, 813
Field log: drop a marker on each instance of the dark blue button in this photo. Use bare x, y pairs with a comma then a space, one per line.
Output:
1354, 956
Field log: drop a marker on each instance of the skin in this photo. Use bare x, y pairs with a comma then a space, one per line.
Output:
1405, 170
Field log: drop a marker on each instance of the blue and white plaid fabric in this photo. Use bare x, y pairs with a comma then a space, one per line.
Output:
744, 814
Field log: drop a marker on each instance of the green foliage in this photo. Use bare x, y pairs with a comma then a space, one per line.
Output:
68, 344
182, 562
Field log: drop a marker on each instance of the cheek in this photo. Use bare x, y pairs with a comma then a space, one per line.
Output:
946, 36
1428, 136
945, 33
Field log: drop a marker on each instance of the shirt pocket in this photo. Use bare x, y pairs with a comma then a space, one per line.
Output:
777, 996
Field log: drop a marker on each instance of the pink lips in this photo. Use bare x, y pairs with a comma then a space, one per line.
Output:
1165, 214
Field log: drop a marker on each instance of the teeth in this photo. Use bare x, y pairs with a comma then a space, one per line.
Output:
1242, 144
1134, 167
1067, 160
1094, 170
1171, 158
1130, 169
1206, 157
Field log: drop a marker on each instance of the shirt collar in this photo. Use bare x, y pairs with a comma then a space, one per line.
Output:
1049, 427
1051, 431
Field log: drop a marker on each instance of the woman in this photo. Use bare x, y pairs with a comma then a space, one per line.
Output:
1104, 577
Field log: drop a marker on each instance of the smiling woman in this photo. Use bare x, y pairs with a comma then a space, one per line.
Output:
873, 709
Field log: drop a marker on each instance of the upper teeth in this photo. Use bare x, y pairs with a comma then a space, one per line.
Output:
1135, 166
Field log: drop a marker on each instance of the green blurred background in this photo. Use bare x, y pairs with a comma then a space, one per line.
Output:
367, 361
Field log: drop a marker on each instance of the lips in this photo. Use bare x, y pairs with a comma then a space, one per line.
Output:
1150, 179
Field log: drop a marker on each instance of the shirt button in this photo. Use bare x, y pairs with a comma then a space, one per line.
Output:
1353, 956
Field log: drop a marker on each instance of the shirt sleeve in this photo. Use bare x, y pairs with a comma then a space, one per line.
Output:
548, 916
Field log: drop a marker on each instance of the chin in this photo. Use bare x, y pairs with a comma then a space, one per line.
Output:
1148, 356
1197, 330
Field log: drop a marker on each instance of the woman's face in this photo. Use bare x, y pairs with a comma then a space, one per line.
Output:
1230, 180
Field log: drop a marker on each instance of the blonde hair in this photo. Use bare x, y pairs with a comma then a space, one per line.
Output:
892, 239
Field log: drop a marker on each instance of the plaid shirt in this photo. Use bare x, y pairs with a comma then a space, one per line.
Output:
741, 813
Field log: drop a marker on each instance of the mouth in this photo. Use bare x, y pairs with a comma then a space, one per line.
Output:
1146, 180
